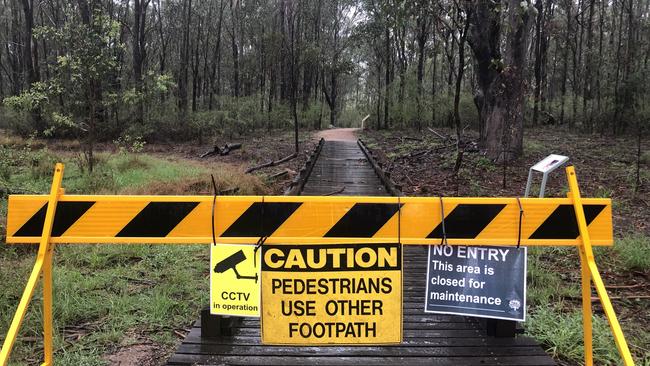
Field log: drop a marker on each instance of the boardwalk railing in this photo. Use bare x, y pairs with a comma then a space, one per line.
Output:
76, 219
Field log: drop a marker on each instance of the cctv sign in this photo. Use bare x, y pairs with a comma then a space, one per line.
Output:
234, 280
332, 294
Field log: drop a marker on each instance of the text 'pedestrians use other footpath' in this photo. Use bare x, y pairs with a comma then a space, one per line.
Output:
332, 294
487, 282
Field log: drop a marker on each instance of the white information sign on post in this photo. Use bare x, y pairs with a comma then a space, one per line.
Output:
545, 166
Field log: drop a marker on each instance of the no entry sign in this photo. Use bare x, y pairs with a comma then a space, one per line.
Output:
332, 294
488, 282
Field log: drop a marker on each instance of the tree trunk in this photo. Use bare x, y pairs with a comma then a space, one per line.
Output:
459, 77
162, 54
501, 81
589, 65
565, 58
434, 62
387, 78
139, 52
30, 59
294, 102
196, 62
216, 59
235, 47
423, 34
538, 62
184, 61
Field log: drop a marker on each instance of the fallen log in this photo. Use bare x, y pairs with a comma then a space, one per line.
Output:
272, 163
438, 134
280, 174
221, 151
229, 191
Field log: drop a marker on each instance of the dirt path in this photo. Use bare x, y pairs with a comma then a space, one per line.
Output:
338, 134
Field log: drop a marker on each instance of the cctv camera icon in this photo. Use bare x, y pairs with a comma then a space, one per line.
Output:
231, 263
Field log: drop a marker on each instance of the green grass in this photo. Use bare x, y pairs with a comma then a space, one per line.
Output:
547, 286
554, 297
634, 252
562, 334
109, 296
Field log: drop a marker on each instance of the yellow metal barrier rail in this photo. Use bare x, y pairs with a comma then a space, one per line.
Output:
60, 218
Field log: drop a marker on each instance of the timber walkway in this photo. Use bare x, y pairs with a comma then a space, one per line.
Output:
429, 339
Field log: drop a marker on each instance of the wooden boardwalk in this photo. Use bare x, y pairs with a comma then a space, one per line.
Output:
429, 339
341, 164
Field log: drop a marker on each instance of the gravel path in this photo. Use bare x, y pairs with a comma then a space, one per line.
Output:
338, 134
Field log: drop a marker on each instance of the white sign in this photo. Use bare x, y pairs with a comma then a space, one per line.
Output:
486, 282
550, 163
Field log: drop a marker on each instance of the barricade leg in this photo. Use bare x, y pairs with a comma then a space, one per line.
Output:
588, 264
44, 252
48, 347
587, 328
217, 325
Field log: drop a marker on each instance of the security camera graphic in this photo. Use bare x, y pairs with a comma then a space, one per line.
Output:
232, 262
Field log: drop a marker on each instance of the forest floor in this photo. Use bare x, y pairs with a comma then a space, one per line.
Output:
422, 164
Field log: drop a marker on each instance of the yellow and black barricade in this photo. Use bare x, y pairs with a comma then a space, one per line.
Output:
77, 219
300, 219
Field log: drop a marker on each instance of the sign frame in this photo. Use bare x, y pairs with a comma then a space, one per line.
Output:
258, 282
477, 315
264, 320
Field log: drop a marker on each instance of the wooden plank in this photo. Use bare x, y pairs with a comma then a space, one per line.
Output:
387, 351
185, 359
411, 342
408, 333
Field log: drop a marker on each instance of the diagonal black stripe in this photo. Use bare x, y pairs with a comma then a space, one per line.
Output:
157, 219
562, 223
261, 219
467, 221
33, 226
363, 220
67, 213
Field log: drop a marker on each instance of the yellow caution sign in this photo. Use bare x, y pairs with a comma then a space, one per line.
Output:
318, 220
234, 280
332, 294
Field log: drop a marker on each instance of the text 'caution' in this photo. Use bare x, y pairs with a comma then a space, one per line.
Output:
332, 294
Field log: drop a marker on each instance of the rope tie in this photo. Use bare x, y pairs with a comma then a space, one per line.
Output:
214, 203
443, 241
262, 238
521, 215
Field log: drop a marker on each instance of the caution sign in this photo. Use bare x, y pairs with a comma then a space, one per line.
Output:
332, 294
486, 282
234, 280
